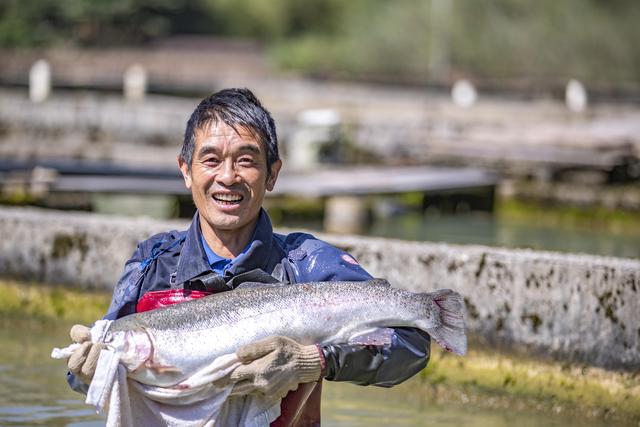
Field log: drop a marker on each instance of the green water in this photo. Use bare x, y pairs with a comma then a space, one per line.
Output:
33, 392
486, 230
404, 405
483, 229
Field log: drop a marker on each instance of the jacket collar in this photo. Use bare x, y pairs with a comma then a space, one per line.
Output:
193, 260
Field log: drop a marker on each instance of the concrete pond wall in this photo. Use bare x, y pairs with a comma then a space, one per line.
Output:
580, 308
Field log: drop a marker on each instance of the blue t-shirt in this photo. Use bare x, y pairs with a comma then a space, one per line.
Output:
218, 263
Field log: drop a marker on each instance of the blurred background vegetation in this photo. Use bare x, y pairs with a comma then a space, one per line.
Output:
406, 40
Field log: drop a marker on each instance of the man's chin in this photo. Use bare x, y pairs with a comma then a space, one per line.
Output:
227, 222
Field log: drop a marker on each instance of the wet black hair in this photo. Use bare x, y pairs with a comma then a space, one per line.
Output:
238, 109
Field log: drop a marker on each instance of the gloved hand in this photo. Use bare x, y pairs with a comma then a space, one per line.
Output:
84, 359
274, 366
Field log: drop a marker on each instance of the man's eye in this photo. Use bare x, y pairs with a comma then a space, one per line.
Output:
246, 161
211, 161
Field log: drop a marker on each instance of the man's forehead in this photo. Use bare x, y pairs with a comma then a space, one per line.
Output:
219, 131
219, 128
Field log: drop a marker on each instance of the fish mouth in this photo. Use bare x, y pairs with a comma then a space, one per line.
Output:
227, 199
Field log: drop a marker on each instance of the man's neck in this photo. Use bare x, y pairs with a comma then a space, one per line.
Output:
227, 243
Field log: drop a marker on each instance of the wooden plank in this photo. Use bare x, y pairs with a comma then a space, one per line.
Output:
321, 183
558, 157
382, 180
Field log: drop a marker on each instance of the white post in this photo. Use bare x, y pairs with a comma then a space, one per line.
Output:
314, 129
575, 96
135, 83
464, 94
39, 81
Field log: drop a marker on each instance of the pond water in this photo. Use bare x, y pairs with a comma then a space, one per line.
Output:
487, 230
484, 229
33, 392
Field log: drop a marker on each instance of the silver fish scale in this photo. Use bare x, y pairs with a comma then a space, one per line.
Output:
191, 334
227, 307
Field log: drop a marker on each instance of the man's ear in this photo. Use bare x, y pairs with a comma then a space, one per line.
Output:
273, 174
186, 172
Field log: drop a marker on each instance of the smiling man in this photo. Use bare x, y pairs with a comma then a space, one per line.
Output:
229, 160
228, 175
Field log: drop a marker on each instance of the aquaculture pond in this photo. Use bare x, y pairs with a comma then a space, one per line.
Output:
488, 230
33, 392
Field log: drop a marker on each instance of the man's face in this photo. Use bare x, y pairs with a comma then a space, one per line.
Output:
228, 177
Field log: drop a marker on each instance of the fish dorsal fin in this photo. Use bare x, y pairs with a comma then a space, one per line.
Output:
254, 285
379, 282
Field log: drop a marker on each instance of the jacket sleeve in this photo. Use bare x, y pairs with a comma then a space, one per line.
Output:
127, 290
123, 302
383, 366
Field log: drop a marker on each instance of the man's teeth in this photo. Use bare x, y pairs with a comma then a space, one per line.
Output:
227, 197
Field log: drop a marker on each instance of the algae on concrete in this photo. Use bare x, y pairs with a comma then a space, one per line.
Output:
491, 378
52, 303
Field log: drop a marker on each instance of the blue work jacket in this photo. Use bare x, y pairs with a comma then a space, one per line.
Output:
177, 260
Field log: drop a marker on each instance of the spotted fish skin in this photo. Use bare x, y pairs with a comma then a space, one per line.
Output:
165, 346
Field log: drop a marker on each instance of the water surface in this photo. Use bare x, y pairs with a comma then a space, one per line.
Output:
484, 229
33, 392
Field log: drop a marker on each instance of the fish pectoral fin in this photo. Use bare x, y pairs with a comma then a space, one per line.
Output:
375, 336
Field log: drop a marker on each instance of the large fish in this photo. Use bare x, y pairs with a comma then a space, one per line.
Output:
164, 347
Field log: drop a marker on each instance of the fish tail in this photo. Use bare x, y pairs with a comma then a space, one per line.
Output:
449, 319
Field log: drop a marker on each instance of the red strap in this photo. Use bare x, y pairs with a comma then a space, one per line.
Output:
301, 407
156, 299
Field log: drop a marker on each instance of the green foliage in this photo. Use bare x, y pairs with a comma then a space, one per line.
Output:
269, 20
547, 38
587, 39
84, 22
590, 40
26, 23
371, 39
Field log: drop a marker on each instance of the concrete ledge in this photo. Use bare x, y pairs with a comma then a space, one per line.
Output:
580, 307
72, 248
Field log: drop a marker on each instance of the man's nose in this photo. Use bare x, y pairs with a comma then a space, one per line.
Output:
227, 174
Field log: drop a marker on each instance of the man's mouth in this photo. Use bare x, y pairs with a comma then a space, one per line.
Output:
228, 199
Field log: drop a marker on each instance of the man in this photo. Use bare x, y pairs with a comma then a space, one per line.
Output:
229, 160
